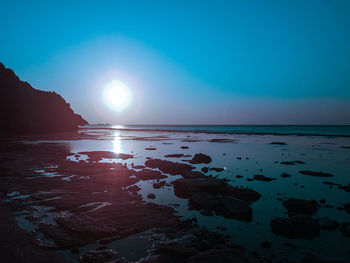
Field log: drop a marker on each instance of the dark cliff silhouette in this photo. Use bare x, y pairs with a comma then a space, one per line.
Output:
25, 110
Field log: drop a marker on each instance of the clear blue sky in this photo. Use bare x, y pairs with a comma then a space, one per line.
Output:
187, 62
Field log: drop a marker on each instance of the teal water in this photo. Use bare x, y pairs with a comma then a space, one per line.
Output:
308, 130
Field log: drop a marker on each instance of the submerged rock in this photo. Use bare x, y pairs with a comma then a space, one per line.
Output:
317, 174
98, 256
345, 229
299, 226
234, 207
300, 206
260, 177
174, 155
285, 175
328, 225
346, 188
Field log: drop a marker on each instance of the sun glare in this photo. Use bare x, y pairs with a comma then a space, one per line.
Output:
117, 95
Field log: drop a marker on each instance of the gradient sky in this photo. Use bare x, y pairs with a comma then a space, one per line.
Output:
187, 62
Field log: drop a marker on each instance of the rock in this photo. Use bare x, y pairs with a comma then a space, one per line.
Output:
159, 185
222, 255
205, 169
184, 147
278, 143
292, 162
200, 158
188, 186
265, 244
285, 175
317, 174
347, 207
169, 167
204, 201
192, 174
98, 155
150, 148
98, 256
299, 226
260, 177
151, 196
236, 208
175, 250
346, 188
345, 229
25, 110
148, 174
328, 225
207, 213
310, 258
300, 206
174, 155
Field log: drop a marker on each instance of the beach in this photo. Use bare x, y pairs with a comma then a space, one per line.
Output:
138, 195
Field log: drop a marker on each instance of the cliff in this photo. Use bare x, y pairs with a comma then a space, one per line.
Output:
25, 110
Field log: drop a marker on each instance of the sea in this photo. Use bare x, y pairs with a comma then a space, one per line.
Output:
300, 130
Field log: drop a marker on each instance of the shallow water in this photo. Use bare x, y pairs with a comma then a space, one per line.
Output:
258, 156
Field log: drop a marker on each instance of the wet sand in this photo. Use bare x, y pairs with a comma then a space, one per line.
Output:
154, 196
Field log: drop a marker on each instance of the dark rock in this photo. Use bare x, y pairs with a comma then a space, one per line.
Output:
184, 147
278, 143
151, 196
98, 256
207, 213
317, 174
328, 225
98, 155
222, 255
199, 158
236, 208
192, 174
174, 155
159, 185
285, 175
150, 148
345, 229
265, 244
260, 177
205, 169
147, 174
310, 258
25, 110
204, 201
346, 188
300, 206
299, 226
169, 167
347, 207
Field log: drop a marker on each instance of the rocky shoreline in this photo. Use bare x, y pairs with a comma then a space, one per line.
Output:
72, 203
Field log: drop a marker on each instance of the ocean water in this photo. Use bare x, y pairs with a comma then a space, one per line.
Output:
309, 130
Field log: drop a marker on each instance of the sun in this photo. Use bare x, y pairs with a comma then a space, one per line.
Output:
116, 95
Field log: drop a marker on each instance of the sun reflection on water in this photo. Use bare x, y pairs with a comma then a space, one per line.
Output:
116, 143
